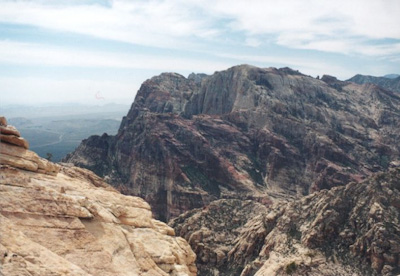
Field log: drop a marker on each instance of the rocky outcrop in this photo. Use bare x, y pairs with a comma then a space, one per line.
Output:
11, 135
14, 151
348, 230
213, 233
245, 133
390, 82
73, 223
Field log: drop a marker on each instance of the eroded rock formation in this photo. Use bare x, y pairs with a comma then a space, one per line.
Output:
14, 151
73, 223
348, 230
247, 133
213, 233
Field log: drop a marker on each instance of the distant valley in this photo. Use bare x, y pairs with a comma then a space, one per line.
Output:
53, 132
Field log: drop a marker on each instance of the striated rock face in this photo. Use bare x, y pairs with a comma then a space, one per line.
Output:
391, 82
246, 133
73, 223
14, 151
348, 230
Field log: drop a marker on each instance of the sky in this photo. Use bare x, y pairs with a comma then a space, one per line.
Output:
100, 51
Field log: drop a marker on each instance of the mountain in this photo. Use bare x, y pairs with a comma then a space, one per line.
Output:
392, 76
63, 220
261, 134
389, 82
351, 230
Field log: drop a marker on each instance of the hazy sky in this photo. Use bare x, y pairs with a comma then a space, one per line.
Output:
93, 51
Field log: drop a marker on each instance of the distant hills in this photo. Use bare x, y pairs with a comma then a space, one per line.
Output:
55, 130
391, 76
57, 109
390, 82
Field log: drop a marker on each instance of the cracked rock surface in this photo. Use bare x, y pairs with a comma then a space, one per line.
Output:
73, 223
349, 230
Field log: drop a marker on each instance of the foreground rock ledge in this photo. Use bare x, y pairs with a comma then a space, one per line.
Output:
75, 224
14, 152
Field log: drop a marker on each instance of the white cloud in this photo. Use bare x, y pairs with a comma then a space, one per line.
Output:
44, 55
32, 90
334, 26
322, 25
38, 54
371, 19
155, 23
252, 42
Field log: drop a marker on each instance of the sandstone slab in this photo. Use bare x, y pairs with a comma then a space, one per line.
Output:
69, 225
14, 140
9, 130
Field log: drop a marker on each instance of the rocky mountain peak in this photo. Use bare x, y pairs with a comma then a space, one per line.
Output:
391, 83
245, 132
197, 78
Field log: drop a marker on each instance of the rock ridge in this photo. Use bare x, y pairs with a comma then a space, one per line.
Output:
245, 132
348, 230
73, 223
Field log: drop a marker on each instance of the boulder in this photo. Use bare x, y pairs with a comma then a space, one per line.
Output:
14, 152
3, 121
9, 130
14, 140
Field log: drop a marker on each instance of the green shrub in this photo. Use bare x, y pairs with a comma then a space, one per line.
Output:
290, 268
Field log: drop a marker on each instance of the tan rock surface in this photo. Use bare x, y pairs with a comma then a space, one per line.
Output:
14, 140
22, 158
9, 130
14, 152
75, 224
3, 121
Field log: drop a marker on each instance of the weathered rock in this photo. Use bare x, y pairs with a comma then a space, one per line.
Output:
9, 130
75, 224
25, 159
14, 140
3, 121
245, 133
349, 230
213, 233
13, 152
